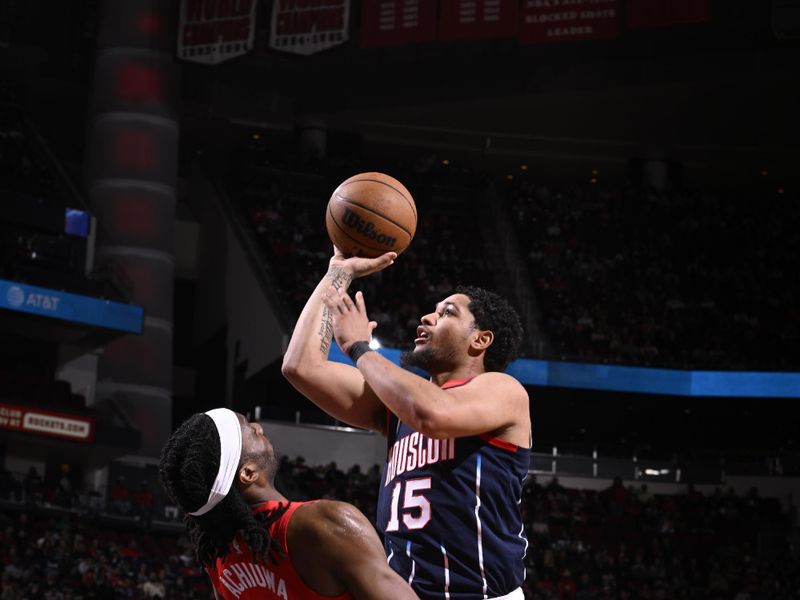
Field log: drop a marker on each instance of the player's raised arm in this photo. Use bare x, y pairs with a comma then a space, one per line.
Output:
452, 348
338, 389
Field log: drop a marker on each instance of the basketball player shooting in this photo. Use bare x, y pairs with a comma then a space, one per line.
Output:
459, 443
252, 541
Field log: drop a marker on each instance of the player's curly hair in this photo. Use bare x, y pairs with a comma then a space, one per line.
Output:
188, 467
494, 313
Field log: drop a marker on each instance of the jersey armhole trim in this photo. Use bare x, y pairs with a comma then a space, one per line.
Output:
498, 443
457, 382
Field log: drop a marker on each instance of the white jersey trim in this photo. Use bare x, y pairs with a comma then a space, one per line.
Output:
515, 595
478, 522
413, 564
446, 574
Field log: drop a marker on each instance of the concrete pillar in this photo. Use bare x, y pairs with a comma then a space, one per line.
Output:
131, 174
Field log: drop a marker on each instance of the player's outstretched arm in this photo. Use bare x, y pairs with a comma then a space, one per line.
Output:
336, 388
493, 403
347, 553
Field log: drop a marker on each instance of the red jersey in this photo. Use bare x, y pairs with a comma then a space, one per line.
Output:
239, 577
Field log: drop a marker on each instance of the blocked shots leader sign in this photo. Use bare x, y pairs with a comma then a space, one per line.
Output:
549, 21
213, 31
308, 26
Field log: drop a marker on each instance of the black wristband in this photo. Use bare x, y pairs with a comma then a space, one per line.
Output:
357, 349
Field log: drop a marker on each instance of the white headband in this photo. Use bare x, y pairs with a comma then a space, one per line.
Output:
230, 451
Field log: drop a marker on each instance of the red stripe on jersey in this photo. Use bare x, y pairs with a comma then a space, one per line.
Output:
456, 382
502, 444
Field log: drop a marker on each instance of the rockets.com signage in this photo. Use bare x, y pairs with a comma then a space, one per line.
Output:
44, 422
308, 26
213, 31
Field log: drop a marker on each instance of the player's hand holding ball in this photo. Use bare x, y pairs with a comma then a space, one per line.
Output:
370, 214
371, 218
358, 266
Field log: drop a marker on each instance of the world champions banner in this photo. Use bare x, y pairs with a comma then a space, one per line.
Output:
213, 31
308, 26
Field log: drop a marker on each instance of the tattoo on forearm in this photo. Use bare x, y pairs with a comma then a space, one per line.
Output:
325, 331
339, 277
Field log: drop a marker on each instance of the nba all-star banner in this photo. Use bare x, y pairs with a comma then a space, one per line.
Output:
546, 21
309, 26
658, 13
397, 22
213, 31
473, 19
44, 422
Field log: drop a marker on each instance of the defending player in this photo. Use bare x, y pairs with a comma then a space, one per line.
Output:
253, 542
459, 444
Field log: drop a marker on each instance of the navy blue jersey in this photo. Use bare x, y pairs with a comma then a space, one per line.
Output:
449, 512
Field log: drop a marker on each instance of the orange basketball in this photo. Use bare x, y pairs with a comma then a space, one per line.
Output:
369, 214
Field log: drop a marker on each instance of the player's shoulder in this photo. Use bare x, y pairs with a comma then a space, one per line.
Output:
497, 381
323, 518
330, 531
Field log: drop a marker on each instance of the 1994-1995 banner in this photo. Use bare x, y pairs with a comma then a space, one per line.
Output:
308, 26
213, 31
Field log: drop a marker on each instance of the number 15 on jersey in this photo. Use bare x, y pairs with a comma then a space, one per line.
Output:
416, 508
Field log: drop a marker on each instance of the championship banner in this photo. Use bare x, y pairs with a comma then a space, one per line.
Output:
658, 13
213, 31
44, 422
546, 21
397, 22
473, 19
308, 26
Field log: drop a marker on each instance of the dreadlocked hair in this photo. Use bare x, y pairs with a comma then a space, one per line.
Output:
188, 467
494, 313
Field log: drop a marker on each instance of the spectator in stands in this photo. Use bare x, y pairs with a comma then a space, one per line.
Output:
221, 469
10, 488
644, 495
566, 587
65, 492
616, 496
716, 542
144, 504
91, 501
670, 269
33, 486
120, 497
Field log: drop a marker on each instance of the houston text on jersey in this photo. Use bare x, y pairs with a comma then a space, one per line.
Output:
417, 450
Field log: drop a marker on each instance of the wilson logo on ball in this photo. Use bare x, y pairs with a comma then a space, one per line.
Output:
366, 228
369, 214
